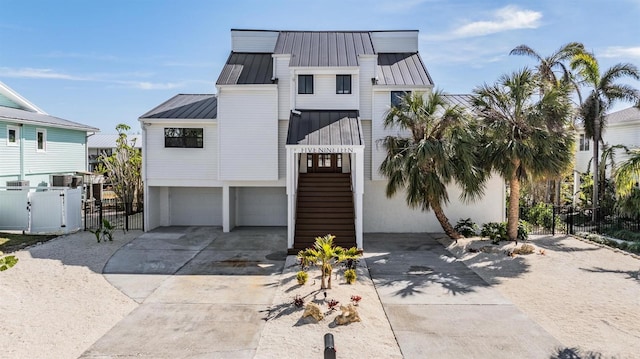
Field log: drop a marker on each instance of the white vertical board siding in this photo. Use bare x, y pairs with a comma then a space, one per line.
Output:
261, 206
152, 195
192, 166
248, 125
382, 214
283, 129
324, 94
381, 103
395, 41
13, 210
284, 86
368, 145
253, 41
367, 72
195, 206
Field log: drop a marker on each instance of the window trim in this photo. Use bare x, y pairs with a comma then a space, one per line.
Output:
305, 89
340, 82
44, 139
184, 142
16, 141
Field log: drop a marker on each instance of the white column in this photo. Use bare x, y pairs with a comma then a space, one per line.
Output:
226, 205
359, 191
290, 197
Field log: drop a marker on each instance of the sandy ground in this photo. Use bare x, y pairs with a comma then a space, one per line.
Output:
585, 295
55, 302
285, 320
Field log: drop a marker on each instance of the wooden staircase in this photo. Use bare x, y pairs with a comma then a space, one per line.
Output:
325, 206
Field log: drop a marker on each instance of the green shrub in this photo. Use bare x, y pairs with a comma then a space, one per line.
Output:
350, 276
541, 215
497, 232
466, 227
7, 262
302, 277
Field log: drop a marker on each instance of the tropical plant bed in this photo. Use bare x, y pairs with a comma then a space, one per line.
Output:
11, 242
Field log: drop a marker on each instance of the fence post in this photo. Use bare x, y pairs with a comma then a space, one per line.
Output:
553, 221
85, 214
126, 216
570, 221
99, 204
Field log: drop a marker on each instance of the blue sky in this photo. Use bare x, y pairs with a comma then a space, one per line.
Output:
107, 62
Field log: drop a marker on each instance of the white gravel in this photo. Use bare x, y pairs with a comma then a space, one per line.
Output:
55, 302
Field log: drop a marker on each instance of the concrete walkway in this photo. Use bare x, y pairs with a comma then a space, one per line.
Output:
203, 294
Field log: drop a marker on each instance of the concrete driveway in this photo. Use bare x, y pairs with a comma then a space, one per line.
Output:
439, 308
201, 292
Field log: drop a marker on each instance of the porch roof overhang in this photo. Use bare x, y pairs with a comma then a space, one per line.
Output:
325, 128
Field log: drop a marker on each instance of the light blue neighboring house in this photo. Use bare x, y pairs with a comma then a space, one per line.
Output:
34, 145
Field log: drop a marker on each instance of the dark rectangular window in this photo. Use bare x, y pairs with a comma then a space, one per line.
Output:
305, 84
343, 84
41, 140
396, 97
183, 137
584, 142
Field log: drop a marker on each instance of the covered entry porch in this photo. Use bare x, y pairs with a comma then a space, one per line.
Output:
325, 177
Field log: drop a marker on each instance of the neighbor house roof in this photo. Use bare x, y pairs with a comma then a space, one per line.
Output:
325, 127
108, 140
631, 114
247, 68
324, 48
40, 119
186, 106
402, 69
462, 100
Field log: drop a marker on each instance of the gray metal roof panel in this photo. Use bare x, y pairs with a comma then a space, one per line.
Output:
243, 68
186, 106
462, 100
402, 69
108, 140
34, 118
324, 48
325, 127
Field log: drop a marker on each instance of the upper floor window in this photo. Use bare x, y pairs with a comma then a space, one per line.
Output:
396, 97
305, 84
584, 142
183, 137
41, 140
13, 134
343, 84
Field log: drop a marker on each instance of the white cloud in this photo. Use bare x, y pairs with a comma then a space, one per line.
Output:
34, 73
504, 19
624, 52
144, 85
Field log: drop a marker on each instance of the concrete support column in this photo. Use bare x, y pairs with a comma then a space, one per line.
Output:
165, 204
358, 194
291, 196
228, 208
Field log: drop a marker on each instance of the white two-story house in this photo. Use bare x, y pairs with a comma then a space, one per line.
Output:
291, 139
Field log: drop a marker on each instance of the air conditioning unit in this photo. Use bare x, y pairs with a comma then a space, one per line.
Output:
61, 180
21, 183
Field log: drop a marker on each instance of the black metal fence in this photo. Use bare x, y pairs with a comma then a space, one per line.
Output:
120, 215
551, 220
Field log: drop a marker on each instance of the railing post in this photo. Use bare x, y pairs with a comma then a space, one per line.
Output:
99, 204
126, 216
553, 221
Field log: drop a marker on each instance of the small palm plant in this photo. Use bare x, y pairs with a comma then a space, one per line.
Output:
326, 255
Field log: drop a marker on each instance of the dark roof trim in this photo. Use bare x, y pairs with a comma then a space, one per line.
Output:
247, 68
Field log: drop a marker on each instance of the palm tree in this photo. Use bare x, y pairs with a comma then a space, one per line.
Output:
627, 175
547, 69
603, 93
327, 255
439, 148
518, 141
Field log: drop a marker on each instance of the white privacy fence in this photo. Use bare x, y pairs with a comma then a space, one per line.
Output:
41, 210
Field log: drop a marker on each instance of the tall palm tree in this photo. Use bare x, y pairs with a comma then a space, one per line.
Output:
518, 141
603, 93
548, 69
627, 174
438, 147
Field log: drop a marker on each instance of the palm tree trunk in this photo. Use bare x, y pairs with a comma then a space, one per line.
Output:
444, 222
513, 212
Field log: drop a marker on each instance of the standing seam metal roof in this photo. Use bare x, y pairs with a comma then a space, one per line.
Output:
324, 48
186, 106
247, 68
630, 114
325, 127
402, 69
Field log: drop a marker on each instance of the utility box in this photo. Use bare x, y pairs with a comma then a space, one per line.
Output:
61, 180
21, 183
